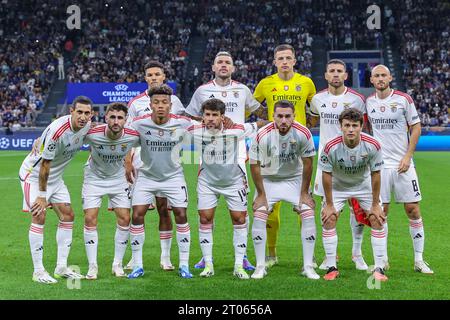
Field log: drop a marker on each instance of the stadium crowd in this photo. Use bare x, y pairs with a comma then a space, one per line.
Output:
28, 59
158, 31
249, 30
425, 52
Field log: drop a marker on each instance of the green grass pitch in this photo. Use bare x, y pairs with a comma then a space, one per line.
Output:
282, 282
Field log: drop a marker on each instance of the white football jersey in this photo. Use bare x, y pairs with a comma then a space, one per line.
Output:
107, 155
280, 156
351, 167
58, 143
237, 98
161, 146
329, 107
140, 105
220, 153
390, 119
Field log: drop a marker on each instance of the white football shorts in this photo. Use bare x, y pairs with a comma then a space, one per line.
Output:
235, 196
404, 185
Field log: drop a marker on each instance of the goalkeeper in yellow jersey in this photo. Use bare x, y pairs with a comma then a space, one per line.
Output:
296, 88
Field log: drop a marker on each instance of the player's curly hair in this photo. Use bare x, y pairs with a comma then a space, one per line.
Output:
351, 114
161, 89
213, 105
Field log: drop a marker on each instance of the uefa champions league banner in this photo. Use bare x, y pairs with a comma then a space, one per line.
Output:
108, 92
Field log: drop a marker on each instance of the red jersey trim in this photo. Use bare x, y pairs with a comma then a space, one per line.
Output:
350, 90
302, 129
264, 131
332, 143
99, 129
137, 97
196, 126
407, 96
176, 116
131, 132
371, 141
147, 115
61, 130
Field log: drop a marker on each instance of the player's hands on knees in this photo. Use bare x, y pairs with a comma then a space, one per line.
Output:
404, 164
259, 202
130, 172
377, 211
327, 212
227, 123
39, 206
307, 199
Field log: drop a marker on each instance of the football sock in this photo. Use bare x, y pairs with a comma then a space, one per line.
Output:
120, 243
184, 242
308, 235
206, 241
240, 235
357, 234
137, 239
91, 243
165, 238
36, 238
330, 241
378, 239
64, 241
418, 238
259, 236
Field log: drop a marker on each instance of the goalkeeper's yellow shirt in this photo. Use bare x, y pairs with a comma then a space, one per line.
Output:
299, 90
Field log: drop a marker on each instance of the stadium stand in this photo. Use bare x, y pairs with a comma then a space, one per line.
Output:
112, 47
31, 42
425, 51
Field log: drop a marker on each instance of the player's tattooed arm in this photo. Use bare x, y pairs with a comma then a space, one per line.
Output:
130, 170
260, 200
40, 204
305, 197
329, 210
416, 130
376, 215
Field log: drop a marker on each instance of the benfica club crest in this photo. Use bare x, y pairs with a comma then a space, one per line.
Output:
286, 88
334, 104
393, 107
224, 94
123, 147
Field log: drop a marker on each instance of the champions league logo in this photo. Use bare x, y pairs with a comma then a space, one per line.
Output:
4, 143
121, 87
120, 93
